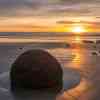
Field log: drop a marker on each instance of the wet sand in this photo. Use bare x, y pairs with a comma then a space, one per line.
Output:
79, 59
88, 65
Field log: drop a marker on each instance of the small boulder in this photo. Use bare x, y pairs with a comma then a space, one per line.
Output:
94, 53
36, 69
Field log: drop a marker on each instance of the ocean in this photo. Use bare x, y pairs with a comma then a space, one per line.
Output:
19, 37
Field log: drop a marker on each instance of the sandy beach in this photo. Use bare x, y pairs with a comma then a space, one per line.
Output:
79, 59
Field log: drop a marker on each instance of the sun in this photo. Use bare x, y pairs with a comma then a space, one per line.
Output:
78, 29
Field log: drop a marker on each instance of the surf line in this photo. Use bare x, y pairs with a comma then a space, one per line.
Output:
2, 76
3, 89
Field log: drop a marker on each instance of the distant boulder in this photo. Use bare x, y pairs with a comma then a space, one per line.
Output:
88, 41
36, 69
94, 53
97, 41
20, 48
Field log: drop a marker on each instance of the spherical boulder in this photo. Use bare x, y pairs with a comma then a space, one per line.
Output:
36, 69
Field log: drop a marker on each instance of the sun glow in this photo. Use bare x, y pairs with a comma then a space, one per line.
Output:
78, 29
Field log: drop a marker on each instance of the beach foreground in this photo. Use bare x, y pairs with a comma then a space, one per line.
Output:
78, 59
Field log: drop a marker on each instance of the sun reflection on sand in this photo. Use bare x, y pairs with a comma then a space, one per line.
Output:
77, 60
78, 63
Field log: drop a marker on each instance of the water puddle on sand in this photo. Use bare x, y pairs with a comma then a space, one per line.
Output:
75, 93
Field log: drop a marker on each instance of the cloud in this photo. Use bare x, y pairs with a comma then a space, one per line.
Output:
14, 7
93, 24
70, 22
77, 1
49, 8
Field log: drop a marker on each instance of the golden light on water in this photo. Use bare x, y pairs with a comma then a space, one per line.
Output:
77, 39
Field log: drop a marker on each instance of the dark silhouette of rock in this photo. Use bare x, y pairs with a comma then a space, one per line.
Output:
97, 41
20, 48
36, 69
94, 53
87, 41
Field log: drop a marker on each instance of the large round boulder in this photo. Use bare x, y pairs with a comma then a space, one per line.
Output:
36, 69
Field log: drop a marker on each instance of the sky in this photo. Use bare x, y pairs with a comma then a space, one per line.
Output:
49, 15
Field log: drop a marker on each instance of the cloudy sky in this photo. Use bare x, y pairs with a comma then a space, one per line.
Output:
48, 15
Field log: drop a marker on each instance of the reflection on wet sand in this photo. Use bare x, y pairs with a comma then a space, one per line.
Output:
84, 63
87, 64
76, 61
84, 85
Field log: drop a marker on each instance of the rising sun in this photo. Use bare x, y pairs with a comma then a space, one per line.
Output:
78, 29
